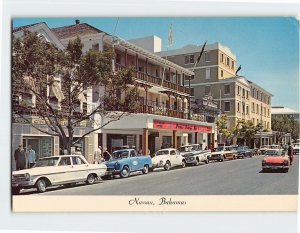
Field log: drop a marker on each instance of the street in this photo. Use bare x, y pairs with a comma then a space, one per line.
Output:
237, 177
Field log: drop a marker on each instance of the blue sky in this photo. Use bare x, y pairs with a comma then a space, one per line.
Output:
266, 47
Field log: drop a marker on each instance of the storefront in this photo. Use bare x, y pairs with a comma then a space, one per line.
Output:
152, 132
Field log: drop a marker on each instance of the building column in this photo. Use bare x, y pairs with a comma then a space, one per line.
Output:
174, 139
137, 142
145, 141
104, 140
196, 137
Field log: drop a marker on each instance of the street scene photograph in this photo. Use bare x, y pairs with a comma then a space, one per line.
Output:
161, 106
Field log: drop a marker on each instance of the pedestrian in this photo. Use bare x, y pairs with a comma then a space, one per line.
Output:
31, 157
290, 153
106, 155
140, 152
98, 155
20, 158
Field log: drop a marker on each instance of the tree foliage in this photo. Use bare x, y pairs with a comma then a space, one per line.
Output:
283, 125
223, 130
38, 65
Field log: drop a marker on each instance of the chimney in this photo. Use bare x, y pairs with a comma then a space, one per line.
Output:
77, 21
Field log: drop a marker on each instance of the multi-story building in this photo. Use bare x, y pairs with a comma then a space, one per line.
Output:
215, 76
281, 111
23, 132
162, 117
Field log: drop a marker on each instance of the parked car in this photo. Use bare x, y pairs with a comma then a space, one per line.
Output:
194, 154
222, 153
264, 148
126, 161
276, 159
296, 148
56, 170
168, 158
244, 151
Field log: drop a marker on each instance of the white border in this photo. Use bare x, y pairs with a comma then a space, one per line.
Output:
129, 222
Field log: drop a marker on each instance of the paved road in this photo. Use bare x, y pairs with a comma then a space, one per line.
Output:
238, 177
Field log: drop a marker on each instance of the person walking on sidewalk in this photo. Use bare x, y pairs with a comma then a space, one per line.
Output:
290, 153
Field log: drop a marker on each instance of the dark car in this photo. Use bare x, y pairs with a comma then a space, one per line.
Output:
244, 151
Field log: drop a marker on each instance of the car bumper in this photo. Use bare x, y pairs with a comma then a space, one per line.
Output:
157, 165
112, 172
22, 184
275, 167
215, 158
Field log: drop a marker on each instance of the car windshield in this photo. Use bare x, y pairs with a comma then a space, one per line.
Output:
120, 154
47, 162
185, 148
220, 149
273, 153
162, 152
228, 148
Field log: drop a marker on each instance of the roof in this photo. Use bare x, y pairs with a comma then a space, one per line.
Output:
259, 87
17, 29
192, 48
75, 30
283, 110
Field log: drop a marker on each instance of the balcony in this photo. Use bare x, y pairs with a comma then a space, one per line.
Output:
160, 108
157, 81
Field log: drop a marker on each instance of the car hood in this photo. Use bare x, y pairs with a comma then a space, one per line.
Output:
217, 152
187, 154
156, 159
274, 159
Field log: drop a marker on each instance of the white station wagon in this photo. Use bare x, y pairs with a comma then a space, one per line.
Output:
168, 158
56, 170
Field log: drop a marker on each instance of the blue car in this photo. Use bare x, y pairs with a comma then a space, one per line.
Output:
125, 161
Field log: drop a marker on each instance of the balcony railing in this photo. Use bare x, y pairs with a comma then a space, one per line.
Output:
162, 109
155, 80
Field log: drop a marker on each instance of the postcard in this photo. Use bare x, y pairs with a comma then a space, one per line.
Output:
154, 114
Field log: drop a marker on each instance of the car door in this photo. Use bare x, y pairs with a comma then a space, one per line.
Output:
173, 158
64, 170
135, 161
80, 168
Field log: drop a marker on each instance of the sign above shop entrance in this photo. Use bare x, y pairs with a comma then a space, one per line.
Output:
157, 124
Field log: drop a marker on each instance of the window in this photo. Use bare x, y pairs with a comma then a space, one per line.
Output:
238, 90
222, 73
65, 161
77, 161
253, 110
257, 109
268, 112
207, 57
253, 93
253, 120
247, 94
243, 92
207, 73
95, 47
192, 92
227, 106
232, 64
243, 108
238, 107
172, 152
222, 58
227, 61
188, 59
247, 110
227, 89
132, 153
207, 90
118, 58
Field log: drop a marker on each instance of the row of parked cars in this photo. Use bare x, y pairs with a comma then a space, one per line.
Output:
69, 169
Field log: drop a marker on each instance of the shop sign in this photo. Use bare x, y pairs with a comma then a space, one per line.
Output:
157, 124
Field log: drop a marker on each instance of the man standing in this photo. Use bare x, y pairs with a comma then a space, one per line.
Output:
106, 155
31, 157
290, 152
98, 155
20, 158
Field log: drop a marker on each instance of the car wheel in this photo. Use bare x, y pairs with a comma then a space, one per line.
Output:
15, 191
222, 160
125, 172
197, 162
145, 169
206, 161
90, 179
167, 166
183, 164
41, 185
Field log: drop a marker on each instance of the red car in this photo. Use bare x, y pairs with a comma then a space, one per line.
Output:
276, 160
